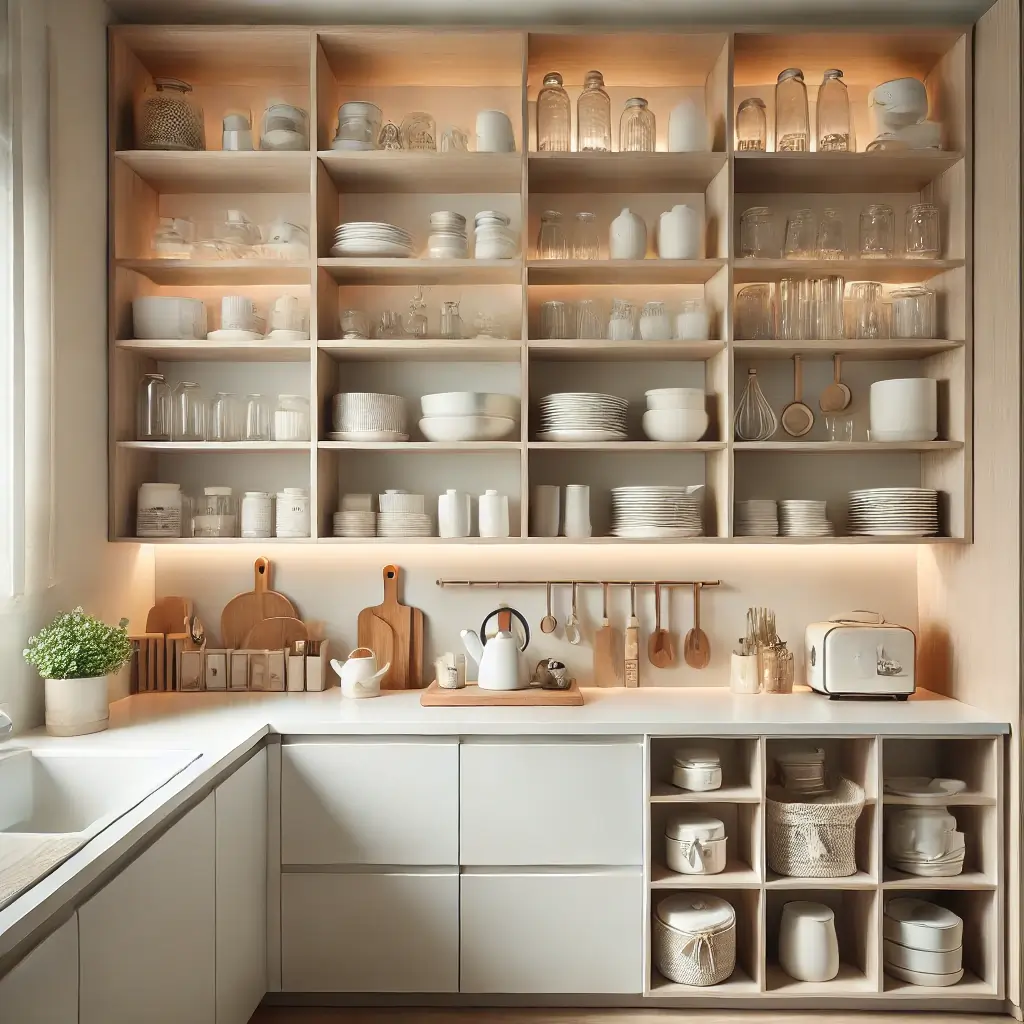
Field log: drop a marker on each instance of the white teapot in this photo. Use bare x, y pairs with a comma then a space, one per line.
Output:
359, 675
500, 661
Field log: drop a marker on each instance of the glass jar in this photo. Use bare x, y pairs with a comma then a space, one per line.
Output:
167, 117
654, 322
158, 511
555, 320
791, 121
922, 231
834, 129
588, 322
636, 127
621, 322
285, 127
754, 320
692, 323
554, 116
913, 312
293, 513
864, 313
552, 243
757, 234
586, 242
257, 518
451, 321
751, 126
358, 126
225, 420
153, 409
291, 418
801, 236
419, 131
831, 241
188, 412
174, 238
354, 325
877, 230
256, 419
793, 297
215, 514
593, 116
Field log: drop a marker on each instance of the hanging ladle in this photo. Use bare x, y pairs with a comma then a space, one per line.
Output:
549, 622
836, 396
797, 418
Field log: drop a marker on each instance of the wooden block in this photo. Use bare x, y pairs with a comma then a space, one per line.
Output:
296, 682
173, 646
240, 671
316, 668
190, 670
217, 670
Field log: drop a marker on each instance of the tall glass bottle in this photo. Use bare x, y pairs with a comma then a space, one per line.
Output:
636, 127
554, 116
834, 128
792, 134
593, 116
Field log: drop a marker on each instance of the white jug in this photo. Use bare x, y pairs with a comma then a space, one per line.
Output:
359, 675
687, 128
679, 233
627, 238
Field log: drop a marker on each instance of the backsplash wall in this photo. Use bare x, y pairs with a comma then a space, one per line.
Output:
333, 584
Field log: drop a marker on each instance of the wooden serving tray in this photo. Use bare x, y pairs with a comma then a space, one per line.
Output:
471, 696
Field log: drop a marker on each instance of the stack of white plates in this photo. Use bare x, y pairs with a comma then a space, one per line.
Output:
355, 524
401, 501
404, 524
362, 416
758, 517
648, 512
804, 519
894, 512
371, 238
580, 416
447, 239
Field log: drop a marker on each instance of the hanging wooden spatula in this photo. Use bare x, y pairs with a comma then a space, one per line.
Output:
697, 646
661, 648
607, 650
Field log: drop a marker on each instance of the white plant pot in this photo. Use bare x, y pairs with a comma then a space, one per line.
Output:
76, 707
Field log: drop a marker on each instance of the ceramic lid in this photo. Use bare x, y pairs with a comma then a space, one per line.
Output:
696, 912
688, 827
697, 757
803, 910
912, 911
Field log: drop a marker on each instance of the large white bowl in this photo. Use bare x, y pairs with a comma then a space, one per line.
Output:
466, 428
675, 398
470, 403
904, 409
675, 424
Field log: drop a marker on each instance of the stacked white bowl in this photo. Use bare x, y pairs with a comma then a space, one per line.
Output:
904, 409
402, 515
469, 416
361, 416
495, 240
675, 414
447, 239
758, 517
922, 943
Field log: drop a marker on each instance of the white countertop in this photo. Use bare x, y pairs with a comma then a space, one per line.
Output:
225, 727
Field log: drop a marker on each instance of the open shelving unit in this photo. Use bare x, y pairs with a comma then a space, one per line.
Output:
453, 73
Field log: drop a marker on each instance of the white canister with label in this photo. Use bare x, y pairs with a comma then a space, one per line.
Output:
257, 517
293, 512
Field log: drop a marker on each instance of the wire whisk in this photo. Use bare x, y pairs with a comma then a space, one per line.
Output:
755, 419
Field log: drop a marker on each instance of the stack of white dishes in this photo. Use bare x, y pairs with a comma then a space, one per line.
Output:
469, 416
675, 414
651, 512
894, 512
802, 770
581, 417
905, 409
168, 318
355, 524
360, 416
924, 841
404, 524
495, 240
922, 943
758, 517
447, 239
804, 519
371, 238
923, 788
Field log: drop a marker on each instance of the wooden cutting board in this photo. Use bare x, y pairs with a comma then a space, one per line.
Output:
471, 696
245, 611
275, 634
406, 625
168, 615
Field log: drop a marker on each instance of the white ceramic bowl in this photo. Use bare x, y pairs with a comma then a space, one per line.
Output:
904, 409
675, 424
675, 398
470, 403
922, 924
927, 961
466, 428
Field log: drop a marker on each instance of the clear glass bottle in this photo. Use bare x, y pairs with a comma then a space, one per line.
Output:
586, 243
554, 116
791, 121
834, 129
636, 127
593, 116
153, 410
552, 243
188, 412
758, 239
751, 126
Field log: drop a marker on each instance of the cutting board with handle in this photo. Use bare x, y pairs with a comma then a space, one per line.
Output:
275, 634
608, 651
406, 627
168, 615
245, 611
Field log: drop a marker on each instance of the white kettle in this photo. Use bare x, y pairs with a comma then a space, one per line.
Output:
359, 675
501, 665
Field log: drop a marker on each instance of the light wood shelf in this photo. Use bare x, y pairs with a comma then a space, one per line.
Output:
557, 350
739, 985
628, 446
623, 172
406, 349
736, 875
420, 271
434, 173
665, 793
422, 446
202, 273
217, 171
891, 271
850, 979
649, 271
234, 447
217, 351
847, 447
859, 880
897, 881
850, 349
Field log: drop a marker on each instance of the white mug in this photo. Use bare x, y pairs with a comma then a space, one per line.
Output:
494, 132
546, 510
237, 313
577, 511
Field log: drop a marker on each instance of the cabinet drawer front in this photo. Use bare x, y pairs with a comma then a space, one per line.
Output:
551, 803
558, 932
370, 803
364, 932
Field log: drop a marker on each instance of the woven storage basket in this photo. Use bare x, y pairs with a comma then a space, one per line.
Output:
694, 958
814, 838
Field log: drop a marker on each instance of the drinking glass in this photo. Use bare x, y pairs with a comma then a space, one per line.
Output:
827, 308
832, 111
588, 322
621, 322
922, 230
913, 312
636, 127
256, 419
153, 409
188, 413
451, 321
552, 243
225, 422
877, 229
839, 428
793, 296
757, 234
586, 243
831, 236
800, 236
654, 322
754, 313
389, 326
791, 122
554, 320
354, 325
751, 126
554, 116
865, 317
593, 116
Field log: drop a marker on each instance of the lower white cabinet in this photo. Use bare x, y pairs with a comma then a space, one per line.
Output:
366, 932
148, 939
241, 802
43, 988
562, 932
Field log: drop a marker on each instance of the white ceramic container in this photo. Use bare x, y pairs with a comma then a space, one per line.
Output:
399, 501
545, 510
292, 518
927, 961
627, 237
920, 978
494, 132
919, 832
695, 844
698, 769
687, 128
675, 398
743, 676
808, 945
679, 231
470, 403
466, 428
492, 514
921, 924
904, 409
257, 518
677, 425
693, 323
359, 674
453, 514
76, 707
577, 511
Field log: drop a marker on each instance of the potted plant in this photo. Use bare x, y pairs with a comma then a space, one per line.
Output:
75, 654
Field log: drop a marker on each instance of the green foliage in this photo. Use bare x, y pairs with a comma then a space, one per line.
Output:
77, 646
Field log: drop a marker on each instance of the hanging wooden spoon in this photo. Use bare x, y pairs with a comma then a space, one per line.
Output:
836, 395
697, 646
797, 418
549, 622
661, 649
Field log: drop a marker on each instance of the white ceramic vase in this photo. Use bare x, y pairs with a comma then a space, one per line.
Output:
76, 707
679, 233
627, 238
808, 945
577, 511
545, 510
687, 128
453, 514
492, 514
